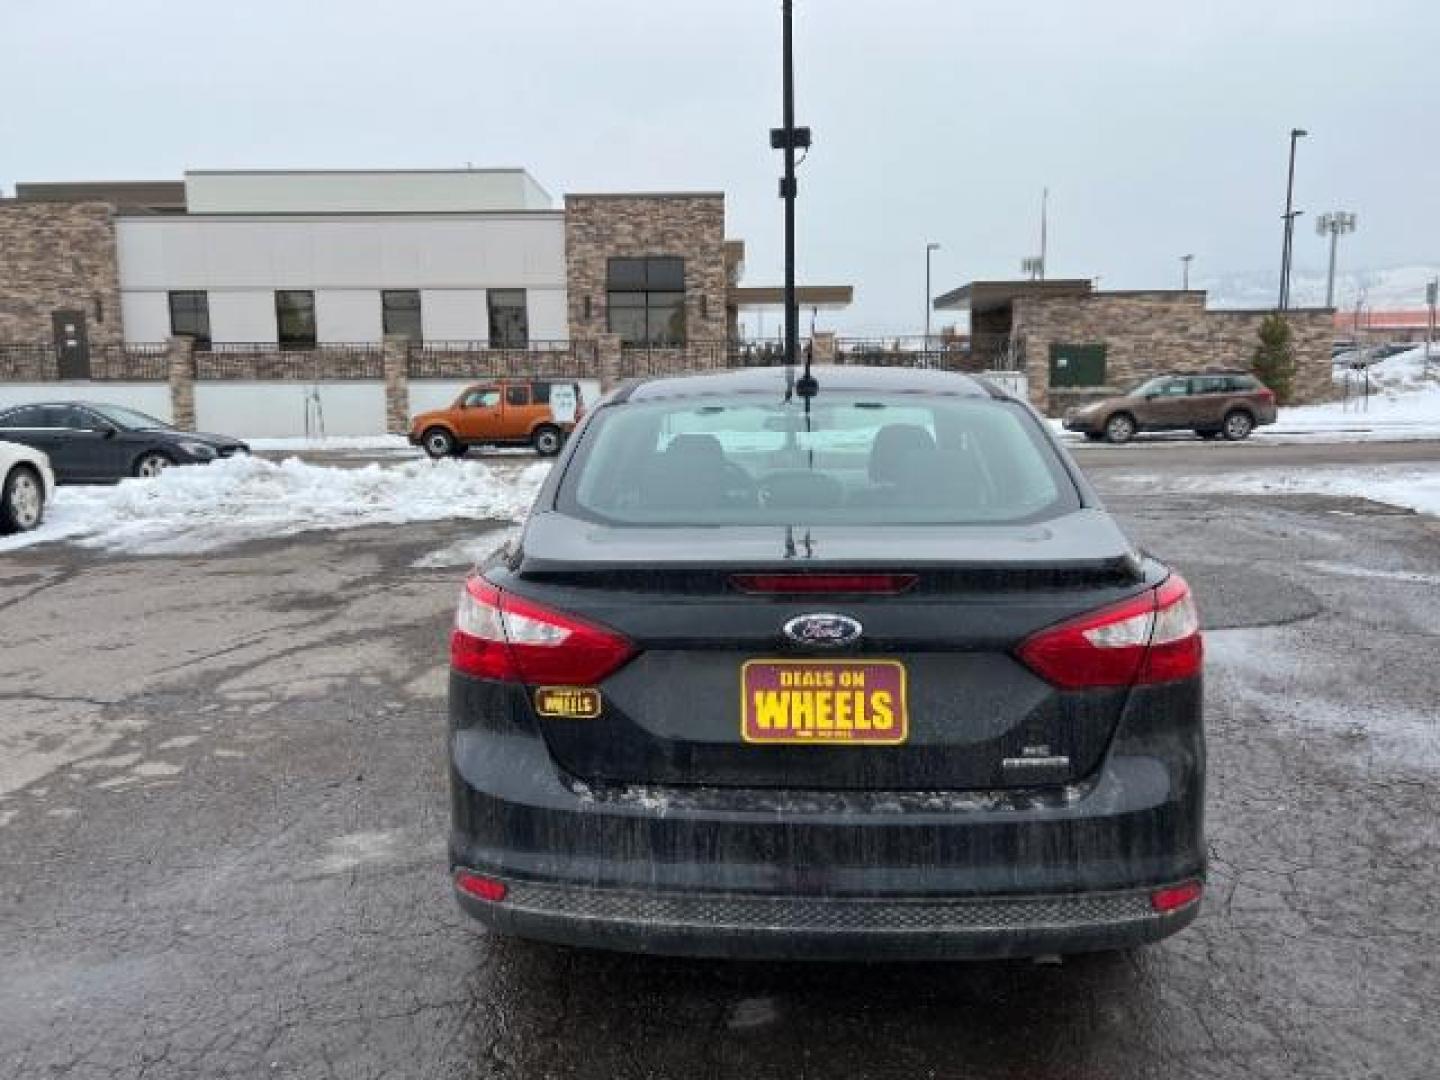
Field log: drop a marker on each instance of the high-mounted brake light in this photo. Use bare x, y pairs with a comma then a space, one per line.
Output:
813, 584
503, 637
1151, 638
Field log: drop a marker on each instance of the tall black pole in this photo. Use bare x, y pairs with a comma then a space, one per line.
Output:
787, 190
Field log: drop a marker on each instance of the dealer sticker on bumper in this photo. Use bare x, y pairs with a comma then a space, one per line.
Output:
846, 702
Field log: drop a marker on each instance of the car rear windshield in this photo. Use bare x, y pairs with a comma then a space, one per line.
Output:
861, 459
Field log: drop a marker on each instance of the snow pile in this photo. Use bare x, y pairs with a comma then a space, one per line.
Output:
1396, 374
1409, 487
200, 508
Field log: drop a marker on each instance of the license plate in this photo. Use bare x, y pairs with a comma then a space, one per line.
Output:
823, 702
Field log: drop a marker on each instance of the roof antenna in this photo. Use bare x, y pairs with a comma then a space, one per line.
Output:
790, 138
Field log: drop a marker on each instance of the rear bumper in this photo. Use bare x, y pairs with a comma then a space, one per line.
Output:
840, 873
827, 928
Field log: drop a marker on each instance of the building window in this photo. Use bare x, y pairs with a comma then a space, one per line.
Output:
295, 318
645, 300
400, 313
509, 325
190, 317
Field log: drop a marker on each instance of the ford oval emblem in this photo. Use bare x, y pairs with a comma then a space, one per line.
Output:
823, 629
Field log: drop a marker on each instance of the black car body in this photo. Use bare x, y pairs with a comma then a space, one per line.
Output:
91, 443
623, 777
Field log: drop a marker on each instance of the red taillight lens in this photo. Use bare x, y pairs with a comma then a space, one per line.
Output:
482, 888
1267, 394
502, 637
1152, 638
1176, 897
812, 584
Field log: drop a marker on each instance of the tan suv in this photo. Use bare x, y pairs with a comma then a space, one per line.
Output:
511, 412
1210, 403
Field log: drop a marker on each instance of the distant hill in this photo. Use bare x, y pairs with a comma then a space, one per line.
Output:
1393, 288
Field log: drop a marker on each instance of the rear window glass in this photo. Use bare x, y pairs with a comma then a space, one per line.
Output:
862, 460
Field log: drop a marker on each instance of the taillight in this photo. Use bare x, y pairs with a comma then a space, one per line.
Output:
1152, 638
813, 584
1267, 394
503, 637
482, 888
1176, 897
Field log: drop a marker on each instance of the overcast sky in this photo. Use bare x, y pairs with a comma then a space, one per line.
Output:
1159, 128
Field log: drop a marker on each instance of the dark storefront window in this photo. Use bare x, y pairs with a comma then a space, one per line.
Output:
645, 300
295, 318
509, 325
190, 316
400, 313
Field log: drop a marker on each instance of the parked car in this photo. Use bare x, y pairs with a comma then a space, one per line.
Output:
93, 443
539, 413
1211, 403
866, 674
27, 484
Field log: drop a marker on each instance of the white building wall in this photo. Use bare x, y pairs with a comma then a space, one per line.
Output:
345, 191
145, 316
454, 315
348, 315
279, 410
549, 315
240, 315
347, 260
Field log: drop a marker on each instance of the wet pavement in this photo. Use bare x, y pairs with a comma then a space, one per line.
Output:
223, 814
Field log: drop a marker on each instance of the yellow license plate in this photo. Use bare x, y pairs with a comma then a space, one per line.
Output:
823, 702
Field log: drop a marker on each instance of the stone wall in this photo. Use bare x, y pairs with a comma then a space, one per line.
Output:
601, 227
53, 256
1148, 333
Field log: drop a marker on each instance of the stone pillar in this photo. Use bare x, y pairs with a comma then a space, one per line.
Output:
181, 353
824, 345
608, 346
397, 384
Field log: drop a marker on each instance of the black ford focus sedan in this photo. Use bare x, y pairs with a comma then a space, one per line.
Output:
864, 672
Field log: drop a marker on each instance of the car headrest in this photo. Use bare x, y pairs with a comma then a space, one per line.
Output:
896, 449
695, 447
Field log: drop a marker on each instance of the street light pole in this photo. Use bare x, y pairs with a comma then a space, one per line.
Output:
930, 249
1185, 272
1296, 134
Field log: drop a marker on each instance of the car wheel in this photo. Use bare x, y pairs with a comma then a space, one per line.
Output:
438, 443
1238, 425
547, 441
22, 501
152, 464
1120, 428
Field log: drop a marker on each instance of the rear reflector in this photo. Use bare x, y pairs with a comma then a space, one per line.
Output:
812, 584
1151, 638
1176, 897
482, 888
502, 637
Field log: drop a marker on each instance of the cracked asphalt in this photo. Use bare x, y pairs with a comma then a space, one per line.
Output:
222, 812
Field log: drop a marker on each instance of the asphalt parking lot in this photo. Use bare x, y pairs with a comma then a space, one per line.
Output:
223, 814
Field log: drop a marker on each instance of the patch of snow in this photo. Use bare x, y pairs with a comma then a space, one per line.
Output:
1410, 487
467, 552
200, 508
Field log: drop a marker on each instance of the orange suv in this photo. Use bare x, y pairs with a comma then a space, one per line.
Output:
505, 412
